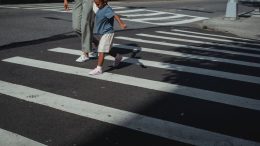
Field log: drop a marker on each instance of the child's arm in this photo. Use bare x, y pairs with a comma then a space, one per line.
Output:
120, 22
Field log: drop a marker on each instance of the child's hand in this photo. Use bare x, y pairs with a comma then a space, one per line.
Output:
123, 26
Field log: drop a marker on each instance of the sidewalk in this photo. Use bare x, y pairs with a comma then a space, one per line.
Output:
248, 27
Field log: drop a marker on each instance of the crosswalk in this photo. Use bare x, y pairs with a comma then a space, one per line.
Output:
145, 16
9, 138
199, 58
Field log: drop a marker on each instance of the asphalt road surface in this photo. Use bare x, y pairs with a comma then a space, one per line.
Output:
176, 85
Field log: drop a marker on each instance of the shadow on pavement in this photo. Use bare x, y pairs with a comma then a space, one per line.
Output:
38, 41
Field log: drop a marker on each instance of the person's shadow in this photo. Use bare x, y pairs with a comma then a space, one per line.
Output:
131, 50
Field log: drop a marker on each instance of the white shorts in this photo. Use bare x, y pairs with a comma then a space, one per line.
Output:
105, 42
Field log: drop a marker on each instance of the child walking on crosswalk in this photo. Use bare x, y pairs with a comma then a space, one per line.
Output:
105, 33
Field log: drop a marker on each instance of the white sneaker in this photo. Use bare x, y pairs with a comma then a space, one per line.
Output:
93, 55
96, 71
118, 59
82, 58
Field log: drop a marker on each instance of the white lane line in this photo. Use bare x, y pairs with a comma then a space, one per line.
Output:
52, 9
56, 10
197, 42
185, 46
35, 8
200, 57
149, 14
117, 7
9, 7
207, 38
146, 20
143, 83
42, 7
190, 20
158, 18
215, 35
182, 68
154, 11
129, 11
8, 138
45, 8
150, 125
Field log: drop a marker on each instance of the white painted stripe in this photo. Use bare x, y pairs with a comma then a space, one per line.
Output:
198, 42
153, 11
42, 7
207, 38
29, 8
215, 35
182, 68
8, 138
65, 11
150, 125
9, 7
200, 57
149, 14
143, 83
158, 18
256, 15
54, 9
35, 8
185, 46
171, 23
130, 11
40, 4
117, 7
146, 20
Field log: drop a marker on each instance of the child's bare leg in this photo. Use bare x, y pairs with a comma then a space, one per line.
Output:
101, 57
